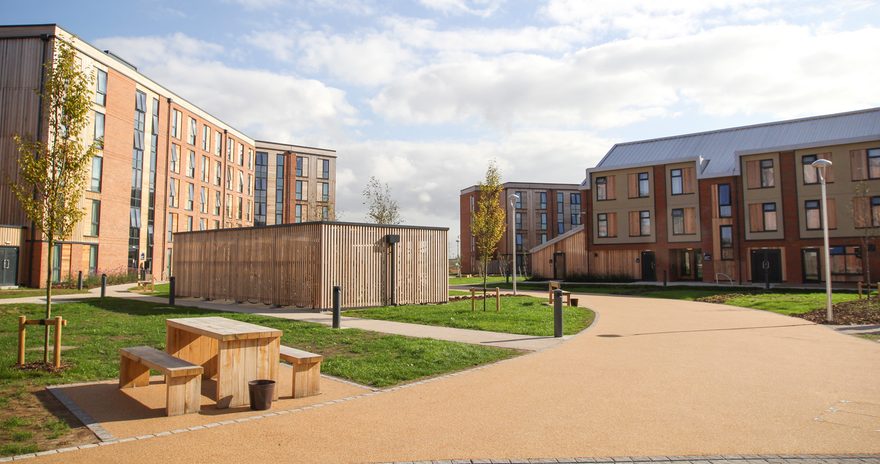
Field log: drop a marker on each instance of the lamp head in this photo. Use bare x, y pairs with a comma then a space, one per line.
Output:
512, 198
821, 164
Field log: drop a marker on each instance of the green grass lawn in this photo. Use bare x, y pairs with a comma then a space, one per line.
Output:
161, 290
459, 293
786, 302
28, 292
492, 280
519, 315
98, 329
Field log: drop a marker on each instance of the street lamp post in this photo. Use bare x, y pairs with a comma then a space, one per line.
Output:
512, 199
458, 251
821, 165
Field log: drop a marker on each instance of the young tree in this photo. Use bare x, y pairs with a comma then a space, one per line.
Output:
866, 223
53, 173
488, 222
382, 208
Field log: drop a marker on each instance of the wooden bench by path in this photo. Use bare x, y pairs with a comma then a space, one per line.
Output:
183, 380
554, 285
306, 371
148, 281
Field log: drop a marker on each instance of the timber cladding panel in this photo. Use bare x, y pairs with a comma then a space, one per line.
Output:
574, 247
299, 264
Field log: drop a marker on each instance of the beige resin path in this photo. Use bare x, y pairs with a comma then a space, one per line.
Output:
680, 378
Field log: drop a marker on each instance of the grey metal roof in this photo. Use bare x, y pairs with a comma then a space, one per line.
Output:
718, 150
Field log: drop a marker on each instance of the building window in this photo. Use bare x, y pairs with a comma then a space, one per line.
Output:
192, 131
191, 166
216, 203
644, 223
229, 156
137, 170
99, 129
261, 185
725, 208
218, 140
173, 194
601, 188
874, 163
325, 213
95, 218
229, 177
846, 260
240, 181
203, 200
677, 183
767, 177
279, 189
175, 159
240, 208
101, 88
189, 223
678, 221
325, 191
203, 224
302, 166
175, 124
519, 242
229, 205
300, 191
97, 167
298, 213
250, 184
519, 200
602, 224
813, 214
769, 210
325, 169
518, 220
644, 188
811, 174
542, 221
56, 263
875, 212
542, 238
206, 169
560, 213
247, 211
240, 154
218, 173
190, 193
206, 138
93, 260
575, 200
542, 200
726, 233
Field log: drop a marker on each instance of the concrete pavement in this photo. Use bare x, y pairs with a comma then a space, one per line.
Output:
651, 378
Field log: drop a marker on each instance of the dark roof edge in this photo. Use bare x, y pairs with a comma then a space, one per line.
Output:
299, 224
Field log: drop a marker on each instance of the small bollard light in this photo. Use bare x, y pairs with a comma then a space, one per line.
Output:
79, 280
337, 294
171, 285
103, 285
557, 313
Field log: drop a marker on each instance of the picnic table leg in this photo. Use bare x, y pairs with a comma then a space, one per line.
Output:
268, 361
194, 348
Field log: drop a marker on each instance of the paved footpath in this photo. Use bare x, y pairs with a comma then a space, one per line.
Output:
692, 381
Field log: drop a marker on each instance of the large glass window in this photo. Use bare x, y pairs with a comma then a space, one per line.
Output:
811, 174
206, 138
279, 189
325, 191
325, 169
813, 214
768, 178
192, 131
206, 169
97, 168
301, 191
298, 213
95, 218
601, 188
203, 199
769, 210
725, 208
644, 187
875, 212
190, 193
99, 129
137, 169
175, 159
101, 88
151, 182
175, 124
575, 199
518, 221
217, 201
302, 166
172, 196
191, 165
542, 200
644, 223
542, 221
56, 263
602, 224
677, 182
519, 242
874, 163
218, 173
726, 233
218, 140
93, 260
846, 260
678, 221
261, 184
519, 200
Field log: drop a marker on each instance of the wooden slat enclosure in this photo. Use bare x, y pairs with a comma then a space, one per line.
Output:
299, 264
573, 244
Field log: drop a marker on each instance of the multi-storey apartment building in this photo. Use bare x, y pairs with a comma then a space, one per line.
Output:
740, 204
164, 166
294, 184
541, 212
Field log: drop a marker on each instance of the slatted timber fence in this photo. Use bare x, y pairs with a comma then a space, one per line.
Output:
299, 264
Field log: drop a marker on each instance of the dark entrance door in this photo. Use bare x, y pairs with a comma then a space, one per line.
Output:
559, 266
812, 269
766, 266
649, 266
8, 266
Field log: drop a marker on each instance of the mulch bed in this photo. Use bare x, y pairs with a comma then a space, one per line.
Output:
850, 312
719, 299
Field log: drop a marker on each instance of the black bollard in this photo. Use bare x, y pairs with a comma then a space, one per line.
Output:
103, 285
337, 294
767, 278
171, 290
665, 279
557, 313
79, 280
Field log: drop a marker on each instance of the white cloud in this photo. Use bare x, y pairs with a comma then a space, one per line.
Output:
776, 69
371, 59
482, 8
260, 103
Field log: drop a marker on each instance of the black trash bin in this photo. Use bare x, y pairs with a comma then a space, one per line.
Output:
261, 394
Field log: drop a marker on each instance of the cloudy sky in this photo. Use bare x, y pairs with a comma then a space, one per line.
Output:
423, 94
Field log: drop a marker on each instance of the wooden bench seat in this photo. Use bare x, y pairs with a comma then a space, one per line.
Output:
554, 285
148, 281
306, 371
183, 380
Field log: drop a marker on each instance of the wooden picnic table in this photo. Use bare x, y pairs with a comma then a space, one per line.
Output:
234, 352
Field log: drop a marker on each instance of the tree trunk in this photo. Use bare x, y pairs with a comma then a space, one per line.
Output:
485, 276
51, 242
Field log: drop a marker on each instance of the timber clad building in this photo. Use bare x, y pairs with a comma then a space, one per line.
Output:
164, 166
542, 212
740, 204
